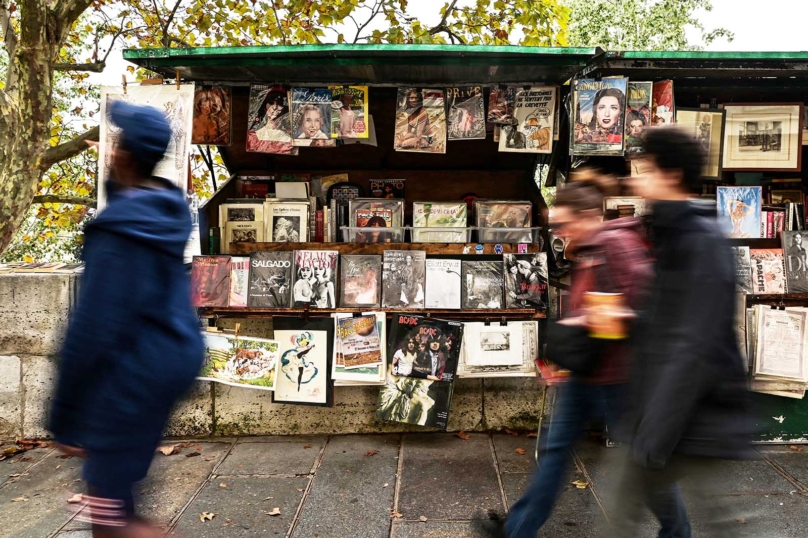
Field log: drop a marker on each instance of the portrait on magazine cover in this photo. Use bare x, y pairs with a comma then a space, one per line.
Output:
599, 114
212, 116
269, 129
420, 121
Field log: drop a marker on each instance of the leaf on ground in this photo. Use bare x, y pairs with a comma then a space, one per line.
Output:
533, 434
371, 452
300, 489
192, 455
223, 485
77, 498
520, 451
742, 521
384, 486
169, 450
511, 432
206, 516
306, 446
19, 500
796, 448
274, 512
395, 515
422, 519
463, 435
580, 484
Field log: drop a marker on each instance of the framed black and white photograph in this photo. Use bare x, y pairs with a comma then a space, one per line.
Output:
763, 137
707, 127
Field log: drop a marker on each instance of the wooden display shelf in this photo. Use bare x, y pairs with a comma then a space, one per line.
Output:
777, 298
756, 243
510, 314
379, 248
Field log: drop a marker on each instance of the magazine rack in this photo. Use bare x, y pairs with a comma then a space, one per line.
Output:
354, 234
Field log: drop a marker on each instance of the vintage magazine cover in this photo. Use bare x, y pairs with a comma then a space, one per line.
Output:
387, 188
768, 271
349, 114
269, 124
270, 279
526, 281
361, 281
315, 273
377, 213
439, 215
423, 347
500, 105
210, 281
241, 223
598, 115
482, 285
212, 116
286, 222
311, 117
780, 349
739, 210
359, 342
483, 355
239, 280
404, 275
420, 121
241, 362
534, 118
662, 108
466, 116
638, 115
743, 269
415, 401
796, 258
303, 375
178, 106
365, 375
503, 214
443, 284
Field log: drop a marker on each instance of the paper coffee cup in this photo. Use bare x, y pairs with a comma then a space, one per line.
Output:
606, 315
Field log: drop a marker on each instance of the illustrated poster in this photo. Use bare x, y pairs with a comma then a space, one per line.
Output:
532, 130
241, 362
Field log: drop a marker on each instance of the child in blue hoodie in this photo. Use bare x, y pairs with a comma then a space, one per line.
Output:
133, 346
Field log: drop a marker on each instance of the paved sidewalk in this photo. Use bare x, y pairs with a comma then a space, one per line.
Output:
349, 486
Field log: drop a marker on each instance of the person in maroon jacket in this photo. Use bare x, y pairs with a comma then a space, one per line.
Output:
610, 257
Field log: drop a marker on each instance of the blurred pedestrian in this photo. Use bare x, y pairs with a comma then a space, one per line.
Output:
133, 346
610, 257
689, 403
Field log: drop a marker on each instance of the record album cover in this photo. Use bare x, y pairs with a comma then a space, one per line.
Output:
269, 126
503, 214
361, 281
443, 278
377, 213
526, 283
270, 279
420, 121
303, 375
439, 215
638, 115
349, 114
415, 401
404, 275
599, 108
240, 362
534, 119
315, 278
482, 284
466, 112
210, 281
423, 347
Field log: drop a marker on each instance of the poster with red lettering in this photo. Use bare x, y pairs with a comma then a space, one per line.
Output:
425, 348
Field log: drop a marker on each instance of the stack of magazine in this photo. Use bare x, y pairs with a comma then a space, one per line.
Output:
777, 350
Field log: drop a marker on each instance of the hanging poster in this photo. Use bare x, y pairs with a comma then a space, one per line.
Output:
349, 117
638, 115
269, 129
466, 113
533, 114
212, 116
420, 121
241, 362
662, 105
176, 104
598, 114
303, 375
311, 117
500, 105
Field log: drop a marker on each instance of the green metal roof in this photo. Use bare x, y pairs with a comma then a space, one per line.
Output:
380, 65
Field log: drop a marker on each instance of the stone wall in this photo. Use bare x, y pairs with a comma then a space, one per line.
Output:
33, 317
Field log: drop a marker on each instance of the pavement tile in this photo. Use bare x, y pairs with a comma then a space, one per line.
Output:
276, 458
240, 508
795, 463
20, 463
448, 478
509, 460
349, 497
434, 529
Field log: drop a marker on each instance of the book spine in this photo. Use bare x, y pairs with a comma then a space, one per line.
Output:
312, 217
319, 222
779, 223
763, 224
769, 224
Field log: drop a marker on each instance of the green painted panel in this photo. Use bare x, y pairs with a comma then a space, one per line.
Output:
781, 419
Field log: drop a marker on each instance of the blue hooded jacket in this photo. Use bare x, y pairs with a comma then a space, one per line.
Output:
133, 346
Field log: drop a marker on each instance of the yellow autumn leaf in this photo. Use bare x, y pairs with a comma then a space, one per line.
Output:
28, 259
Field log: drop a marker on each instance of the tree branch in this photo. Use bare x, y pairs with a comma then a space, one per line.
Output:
69, 149
9, 35
373, 12
278, 22
442, 24
169, 21
179, 41
94, 67
57, 199
70, 10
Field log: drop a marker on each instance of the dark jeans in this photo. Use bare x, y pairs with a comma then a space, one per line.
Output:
577, 403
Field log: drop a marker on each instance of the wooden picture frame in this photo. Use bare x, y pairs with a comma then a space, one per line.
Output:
761, 137
786, 195
707, 126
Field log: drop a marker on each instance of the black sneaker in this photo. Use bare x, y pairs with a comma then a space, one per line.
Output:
491, 527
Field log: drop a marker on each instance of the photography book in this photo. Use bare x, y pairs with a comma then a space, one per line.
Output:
437, 215
286, 222
359, 342
210, 281
239, 280
796, 260
385, 214
270, 279
361, 277
482, 285
768, 271
424, 347
349, 117
404, 275
315, 274
466, 113
638, 115
533, 121
743, 268
387, 188
443, 284
241, 223
492, 214
526, 283
420, 402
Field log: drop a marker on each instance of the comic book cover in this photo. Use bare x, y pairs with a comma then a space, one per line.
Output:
739, 210
361, 281
482, 285
349, 114
240, 362
377, 213
269, 126
210, 281
420, 121
359, 342
212, 116
768, 271
638, 115
534, 119
424, 347
500, 105
466, 113
387, 188
239, 280
315, 273
303, 374
311, 117
598, 115
662, 107
443, 284
796, 258
438, 215
270, 279
404, 273
526, 283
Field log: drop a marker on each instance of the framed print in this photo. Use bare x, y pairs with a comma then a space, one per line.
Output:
805, 126
707, 127
303, 370
786, 196
761, 137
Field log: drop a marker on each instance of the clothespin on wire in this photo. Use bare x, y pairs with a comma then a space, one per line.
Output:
123, 82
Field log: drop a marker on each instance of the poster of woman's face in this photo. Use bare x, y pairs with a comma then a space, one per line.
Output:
212, 116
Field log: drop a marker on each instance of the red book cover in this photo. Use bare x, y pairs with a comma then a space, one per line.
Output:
210, 281
318, 223
769, 224
662, 103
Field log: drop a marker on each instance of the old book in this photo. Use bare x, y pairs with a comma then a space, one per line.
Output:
241, 222
739, 211
743, 269
270, 279
429, 220
638, 115
359, 342
403, 273
240, 362
286, 222
466, 113
526, 283
375, 374
482, 285
768, 271
239, 280
781, 345
492, 214
420, 121
385, 214
598, 115
796, 260
349, 117
311, 117
662, 109
361, 277
303, 375
534, 120
415, 401
269, 128
499, 350
387, 188
315, 274
210, 281
424, 347
443, 283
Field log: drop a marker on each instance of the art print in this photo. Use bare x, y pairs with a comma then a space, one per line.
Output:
240, 362
420, 121
302, 375
269, 127
707, 128
739, 211
212, 116
762, 137
533, 121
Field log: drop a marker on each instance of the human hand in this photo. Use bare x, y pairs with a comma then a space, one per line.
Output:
73, 451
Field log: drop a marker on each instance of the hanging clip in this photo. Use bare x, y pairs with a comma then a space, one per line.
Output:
503, 322
178, 79
305, 314
487, 322
123, 82
357, 314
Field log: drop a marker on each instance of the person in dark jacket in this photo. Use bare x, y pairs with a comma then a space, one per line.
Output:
133, 345
689, 399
